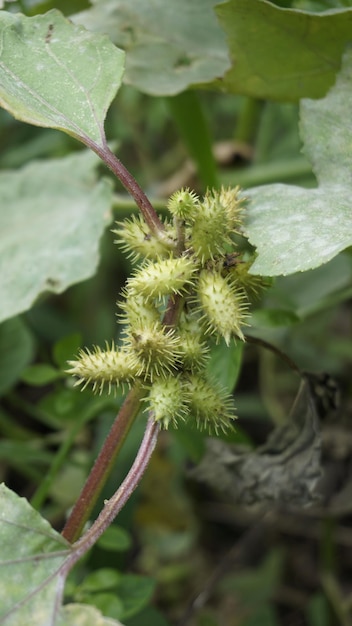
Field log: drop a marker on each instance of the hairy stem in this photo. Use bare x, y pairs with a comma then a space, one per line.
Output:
103, 465
269, 346
131, 185
118, 500
130, 408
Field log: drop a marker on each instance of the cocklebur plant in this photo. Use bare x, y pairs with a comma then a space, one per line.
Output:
187, 287
184, 265
191, 287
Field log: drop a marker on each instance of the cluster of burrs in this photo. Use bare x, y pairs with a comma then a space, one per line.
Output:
190, 266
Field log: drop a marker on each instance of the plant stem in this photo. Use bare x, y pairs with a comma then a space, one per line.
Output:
269, 346
188, 114
131, 185
117, 501
103, 464
124, 203
173, 310
289, 170
248, 120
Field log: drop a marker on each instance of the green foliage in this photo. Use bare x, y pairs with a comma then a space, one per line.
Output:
38, 375
167, 50
191, 122
37, 49
47, 250
115, 595
115, 539
31, 556
276, 53
296, 229
225, 363
55, 74
36, 566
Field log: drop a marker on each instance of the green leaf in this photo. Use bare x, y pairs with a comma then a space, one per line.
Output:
30, 579
115, 539
58, 75
101, 579
31, 556
297, 229
55, 214
66, 348
225, 363
135, 592
282, 54
107, 602
315, 290
191, 440
16, 351
169, 45
273, 318
40, 374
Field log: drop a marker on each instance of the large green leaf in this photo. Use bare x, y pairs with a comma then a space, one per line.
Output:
31, 555
31, 581
282, 54
58, 75
169, 45
53, 214
297, 229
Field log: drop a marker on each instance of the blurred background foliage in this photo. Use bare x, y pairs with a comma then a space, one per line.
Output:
181, 553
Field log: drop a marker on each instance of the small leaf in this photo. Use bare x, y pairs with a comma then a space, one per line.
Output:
297, 229
108, 603
170, 45
16, 351
57, 75
135, 592
225, 363
99, 580
50, 231
191, 440
115, 539
273, 318
66, 349
277, 53
41, 374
